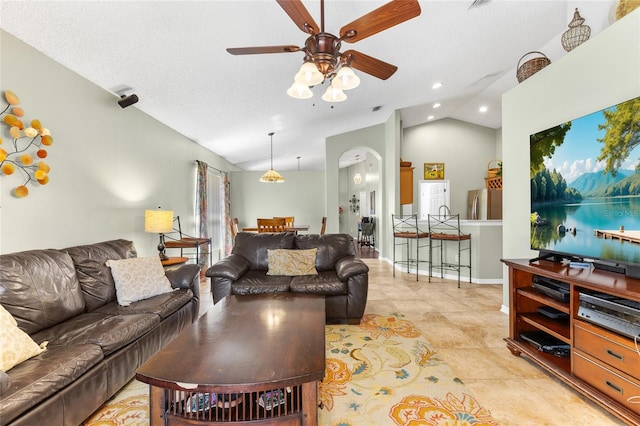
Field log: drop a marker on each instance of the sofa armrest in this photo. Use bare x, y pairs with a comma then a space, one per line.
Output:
348, 267
184, 276
5, 382
231, 267
224, 273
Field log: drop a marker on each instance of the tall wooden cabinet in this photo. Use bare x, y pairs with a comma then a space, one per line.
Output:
602, 365
406, 185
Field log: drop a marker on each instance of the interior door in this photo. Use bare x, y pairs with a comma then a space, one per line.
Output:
433, 194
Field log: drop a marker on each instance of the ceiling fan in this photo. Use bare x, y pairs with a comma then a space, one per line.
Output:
323, 59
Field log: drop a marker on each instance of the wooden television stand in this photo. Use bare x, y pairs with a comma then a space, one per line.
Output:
602, 365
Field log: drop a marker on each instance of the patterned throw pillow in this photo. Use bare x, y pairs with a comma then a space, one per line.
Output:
17, 346
292, 262
138, 278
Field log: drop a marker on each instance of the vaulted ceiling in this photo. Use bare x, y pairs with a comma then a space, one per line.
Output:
172, 55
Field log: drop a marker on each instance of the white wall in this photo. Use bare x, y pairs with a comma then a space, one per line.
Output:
108, 164
301, 195
464, 148
601, 72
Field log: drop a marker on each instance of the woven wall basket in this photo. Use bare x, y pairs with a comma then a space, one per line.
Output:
532, 66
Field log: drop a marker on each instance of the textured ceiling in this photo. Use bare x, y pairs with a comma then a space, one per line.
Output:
172, 54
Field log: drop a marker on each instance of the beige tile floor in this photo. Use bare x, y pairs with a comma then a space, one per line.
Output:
466, 326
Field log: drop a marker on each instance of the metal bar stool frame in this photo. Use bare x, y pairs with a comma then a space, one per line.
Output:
405, 227
445, 227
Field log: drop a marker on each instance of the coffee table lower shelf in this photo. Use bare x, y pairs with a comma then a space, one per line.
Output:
286, 406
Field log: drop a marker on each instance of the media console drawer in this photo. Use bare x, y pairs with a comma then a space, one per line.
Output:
608, 347
618, 386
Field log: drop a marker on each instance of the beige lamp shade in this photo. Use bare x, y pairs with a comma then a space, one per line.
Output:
158, 221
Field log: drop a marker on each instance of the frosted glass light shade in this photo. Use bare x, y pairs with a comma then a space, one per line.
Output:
158, 221
299, 91
333, 94
357, 178
346, 79
309, 75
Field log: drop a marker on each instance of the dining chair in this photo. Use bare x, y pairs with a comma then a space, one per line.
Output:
288, 220
233, 225
271, 225
323, 227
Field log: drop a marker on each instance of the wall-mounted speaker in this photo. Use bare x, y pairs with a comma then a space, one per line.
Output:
126, 101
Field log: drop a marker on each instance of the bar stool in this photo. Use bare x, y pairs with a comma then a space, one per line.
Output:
445, 227
405, 229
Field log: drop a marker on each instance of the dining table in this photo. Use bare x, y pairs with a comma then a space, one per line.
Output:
294, 228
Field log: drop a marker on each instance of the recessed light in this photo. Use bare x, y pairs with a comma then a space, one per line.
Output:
436, 85
431, 117
483, 109
436, 105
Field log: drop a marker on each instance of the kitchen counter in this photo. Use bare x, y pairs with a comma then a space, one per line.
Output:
486, 252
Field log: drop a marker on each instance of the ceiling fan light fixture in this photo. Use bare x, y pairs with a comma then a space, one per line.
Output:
333, 94
309, 74
299, 91
346, 79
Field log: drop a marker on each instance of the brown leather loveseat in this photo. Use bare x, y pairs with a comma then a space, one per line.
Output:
68, 298
341, 277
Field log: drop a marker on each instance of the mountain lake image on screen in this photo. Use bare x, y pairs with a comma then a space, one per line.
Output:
585, 186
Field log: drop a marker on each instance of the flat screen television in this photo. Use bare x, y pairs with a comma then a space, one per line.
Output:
585, 188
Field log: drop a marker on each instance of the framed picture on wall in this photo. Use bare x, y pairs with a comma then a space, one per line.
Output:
372, 203
433, 171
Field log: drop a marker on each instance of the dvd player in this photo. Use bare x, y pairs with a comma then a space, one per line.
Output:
546, 343
614, 313
553, 288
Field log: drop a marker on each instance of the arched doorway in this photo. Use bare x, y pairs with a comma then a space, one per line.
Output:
360, 189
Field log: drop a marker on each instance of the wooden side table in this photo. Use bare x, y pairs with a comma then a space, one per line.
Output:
174, 261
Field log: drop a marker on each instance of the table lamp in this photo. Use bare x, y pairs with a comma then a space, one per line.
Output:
159, 222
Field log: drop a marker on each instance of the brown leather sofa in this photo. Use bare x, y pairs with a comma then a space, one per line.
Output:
342, 278
95, 345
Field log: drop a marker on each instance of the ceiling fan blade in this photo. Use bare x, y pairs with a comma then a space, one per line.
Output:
300, 15
262, 49
370, 65
384, 17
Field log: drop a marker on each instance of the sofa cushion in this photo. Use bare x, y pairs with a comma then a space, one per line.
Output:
109, 332
16, 345
292, 262
162, 305
39, 288
257, 282
331, 247
325, 283
138, 279
38, 378
253, 247
94, 276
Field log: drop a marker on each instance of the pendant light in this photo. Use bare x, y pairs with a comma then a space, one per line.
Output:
271, 175
357, 178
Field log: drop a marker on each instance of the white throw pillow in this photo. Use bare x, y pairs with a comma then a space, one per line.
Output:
138, 278
16, 345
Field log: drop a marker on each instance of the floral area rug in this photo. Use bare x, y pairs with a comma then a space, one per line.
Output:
384, 372
381, 372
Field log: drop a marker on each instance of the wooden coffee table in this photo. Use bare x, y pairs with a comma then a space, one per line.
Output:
250, 359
